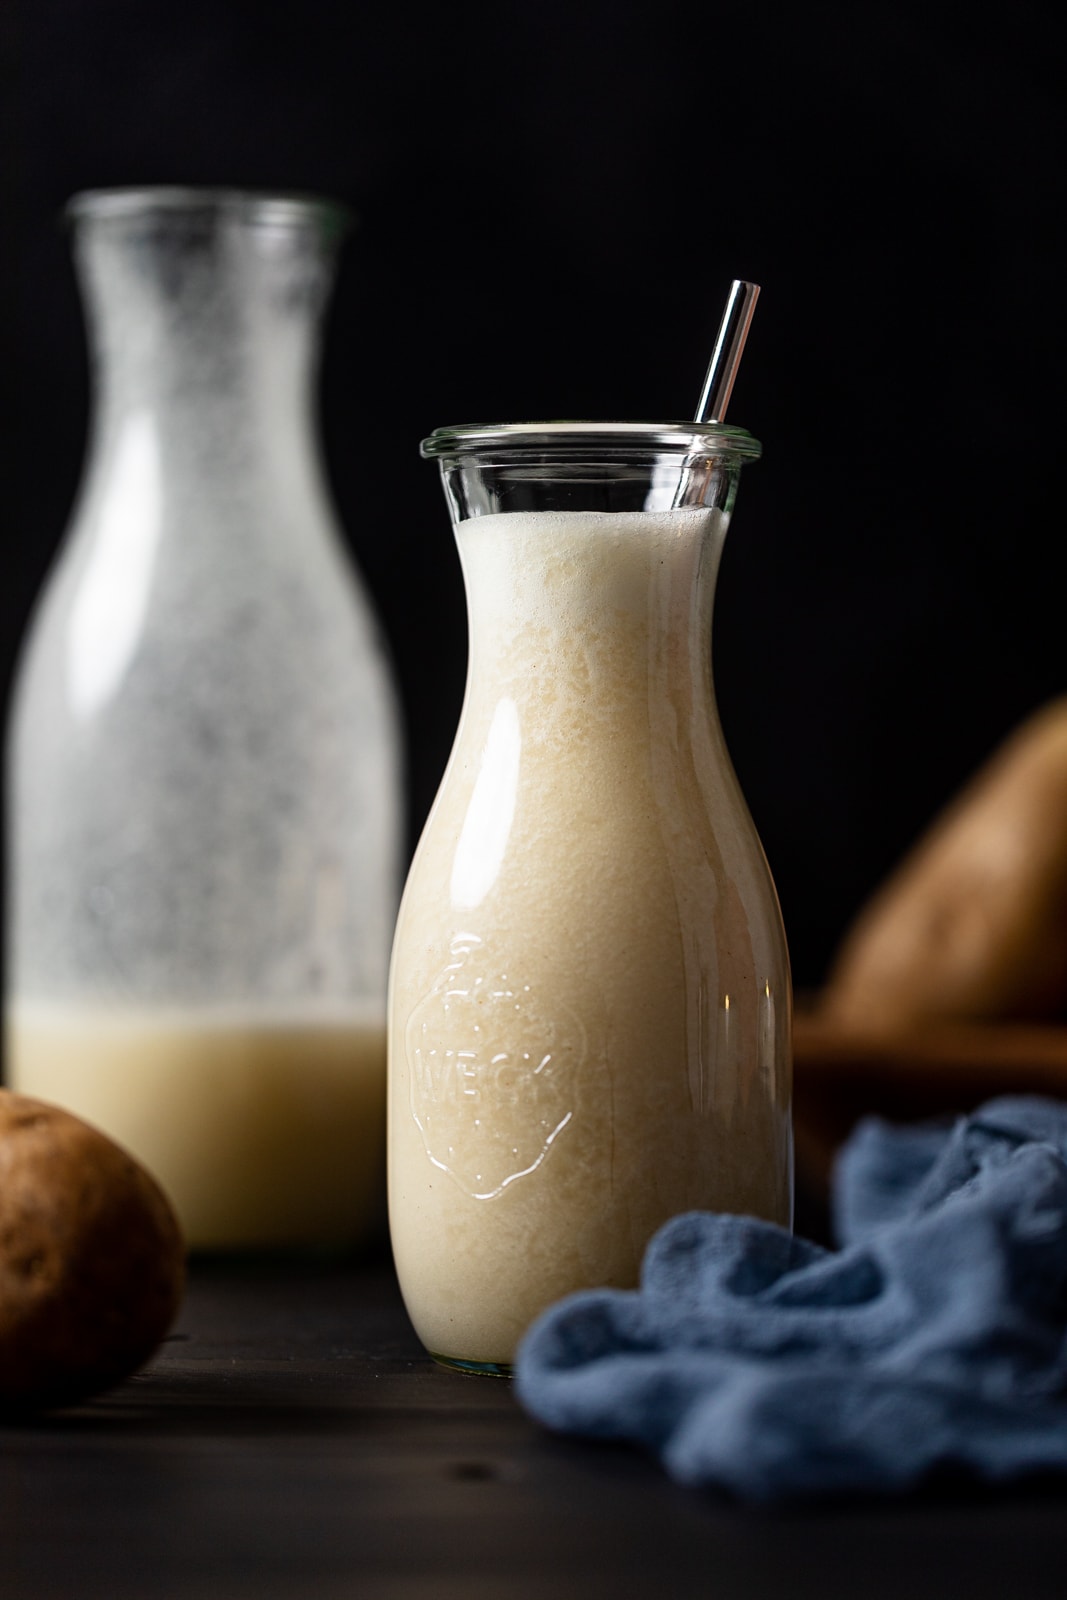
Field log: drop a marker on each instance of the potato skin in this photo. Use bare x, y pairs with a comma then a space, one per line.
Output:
973, 924
92, 1260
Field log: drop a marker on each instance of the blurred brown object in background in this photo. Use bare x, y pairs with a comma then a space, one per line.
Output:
950, 988
942, 1069
973, 923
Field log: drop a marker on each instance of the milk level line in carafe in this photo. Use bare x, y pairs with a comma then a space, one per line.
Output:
275, 1125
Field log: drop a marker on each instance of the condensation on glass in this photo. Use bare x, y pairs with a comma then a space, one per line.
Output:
204, 781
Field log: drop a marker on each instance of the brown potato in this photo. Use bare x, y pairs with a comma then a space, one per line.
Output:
973, 923
92, 1261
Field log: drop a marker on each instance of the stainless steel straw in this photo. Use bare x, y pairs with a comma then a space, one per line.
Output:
733, 331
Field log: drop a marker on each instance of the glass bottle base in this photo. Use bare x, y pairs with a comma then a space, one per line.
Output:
478, 1369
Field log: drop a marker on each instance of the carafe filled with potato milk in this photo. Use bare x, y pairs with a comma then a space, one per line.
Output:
590, 999
203, 777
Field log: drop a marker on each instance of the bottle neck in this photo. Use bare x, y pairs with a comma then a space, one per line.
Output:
203, 331
593, 619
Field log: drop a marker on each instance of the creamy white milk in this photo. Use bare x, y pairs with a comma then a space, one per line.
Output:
264, 1129
590, 1004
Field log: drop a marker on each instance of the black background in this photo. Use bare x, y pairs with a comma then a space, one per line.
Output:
552, 199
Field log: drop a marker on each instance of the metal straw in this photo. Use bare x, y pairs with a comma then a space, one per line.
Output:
733, 331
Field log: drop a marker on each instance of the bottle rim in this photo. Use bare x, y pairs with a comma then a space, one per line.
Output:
291, 208
588, 440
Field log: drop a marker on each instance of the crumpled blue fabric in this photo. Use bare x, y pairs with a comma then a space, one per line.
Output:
934, 1338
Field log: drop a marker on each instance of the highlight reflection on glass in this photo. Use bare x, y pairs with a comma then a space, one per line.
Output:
109, 610
484, 836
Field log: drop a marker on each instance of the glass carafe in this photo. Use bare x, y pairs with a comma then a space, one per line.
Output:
203, 761
590, 1003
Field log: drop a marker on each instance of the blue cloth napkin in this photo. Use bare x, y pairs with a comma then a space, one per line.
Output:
935, 1337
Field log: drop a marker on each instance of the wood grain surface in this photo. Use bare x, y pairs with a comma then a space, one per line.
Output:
292, 1439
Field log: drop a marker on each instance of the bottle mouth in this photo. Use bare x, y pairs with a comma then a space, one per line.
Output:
183, 203
588, 441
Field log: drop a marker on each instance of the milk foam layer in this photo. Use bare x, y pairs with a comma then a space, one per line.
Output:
265, 1130
590, 1006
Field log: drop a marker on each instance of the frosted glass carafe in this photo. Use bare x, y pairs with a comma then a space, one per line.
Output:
590, 996
203, 773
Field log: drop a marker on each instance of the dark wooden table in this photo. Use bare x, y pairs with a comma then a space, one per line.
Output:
291, 1439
